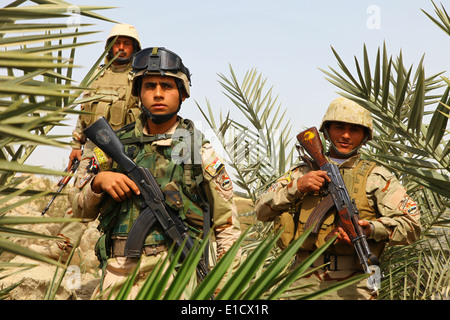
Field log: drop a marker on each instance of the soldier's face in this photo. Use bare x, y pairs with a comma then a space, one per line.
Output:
124, 45
345, 136
159, 94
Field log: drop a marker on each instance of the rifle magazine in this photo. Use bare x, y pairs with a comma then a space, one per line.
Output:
319, 214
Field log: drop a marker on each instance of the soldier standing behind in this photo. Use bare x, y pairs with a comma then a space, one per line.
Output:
117, 104
388, 215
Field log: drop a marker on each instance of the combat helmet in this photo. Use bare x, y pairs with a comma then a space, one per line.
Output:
348, 111
124, 30
162, 62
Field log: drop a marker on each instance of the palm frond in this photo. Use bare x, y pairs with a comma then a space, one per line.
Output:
254, 279
255, 149
36, 94
37, 88
443, 20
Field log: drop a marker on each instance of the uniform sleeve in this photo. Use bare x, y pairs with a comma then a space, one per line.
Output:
399, 216
219, 190
280, 196
78, 137
86, 203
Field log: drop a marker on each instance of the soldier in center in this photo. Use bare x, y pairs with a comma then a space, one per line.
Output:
190, 173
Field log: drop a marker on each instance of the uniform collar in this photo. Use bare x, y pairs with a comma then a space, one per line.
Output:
120, 67
348, 163
163, 139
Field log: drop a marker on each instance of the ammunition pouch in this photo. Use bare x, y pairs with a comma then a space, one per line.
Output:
285, 222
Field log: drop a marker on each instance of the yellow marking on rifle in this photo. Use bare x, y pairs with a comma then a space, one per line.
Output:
309, 135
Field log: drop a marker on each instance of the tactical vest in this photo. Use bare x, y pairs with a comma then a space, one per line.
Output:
355, 180
116, 103
179, 180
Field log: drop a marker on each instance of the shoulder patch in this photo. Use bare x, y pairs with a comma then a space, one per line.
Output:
224, 181
90, 171
408, 205
102, 159
83, 180
214, 166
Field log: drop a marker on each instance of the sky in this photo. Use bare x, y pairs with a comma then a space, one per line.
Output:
286, 41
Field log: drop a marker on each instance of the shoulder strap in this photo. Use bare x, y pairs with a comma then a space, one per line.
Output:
362, 171
196, 167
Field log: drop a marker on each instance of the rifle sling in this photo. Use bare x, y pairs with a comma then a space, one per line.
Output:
320, 213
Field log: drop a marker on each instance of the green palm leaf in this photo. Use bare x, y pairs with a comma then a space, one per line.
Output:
36, 93
255, 149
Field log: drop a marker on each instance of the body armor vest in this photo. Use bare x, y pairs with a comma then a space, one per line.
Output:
355, 180
115, 103
180, 183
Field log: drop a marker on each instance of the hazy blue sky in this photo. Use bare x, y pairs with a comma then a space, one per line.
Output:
287, 41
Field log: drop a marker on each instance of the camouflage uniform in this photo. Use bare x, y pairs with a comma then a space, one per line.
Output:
116, 219
188, 171
380, 199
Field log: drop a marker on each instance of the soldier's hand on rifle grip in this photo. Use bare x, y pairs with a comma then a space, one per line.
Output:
366, 226
117, 185
312, 181
342, 236
74, 154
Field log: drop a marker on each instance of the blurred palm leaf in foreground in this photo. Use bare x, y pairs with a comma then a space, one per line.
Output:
411, 113
255, 279
37, 50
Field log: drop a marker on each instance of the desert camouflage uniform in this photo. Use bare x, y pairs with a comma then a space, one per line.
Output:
383, 201
216, 186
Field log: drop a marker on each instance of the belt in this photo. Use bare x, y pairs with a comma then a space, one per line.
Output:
118, 248
334, 262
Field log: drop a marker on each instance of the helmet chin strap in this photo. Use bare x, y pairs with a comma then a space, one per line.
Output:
158, 118
125, 60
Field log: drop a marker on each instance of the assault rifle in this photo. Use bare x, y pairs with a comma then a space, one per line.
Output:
154, 208
338, 196
63, 182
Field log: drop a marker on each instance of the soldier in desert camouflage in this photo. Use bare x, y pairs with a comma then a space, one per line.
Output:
387, 214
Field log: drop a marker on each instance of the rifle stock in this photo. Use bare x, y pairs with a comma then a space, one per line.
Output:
154, 209
347, 210
310, 141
